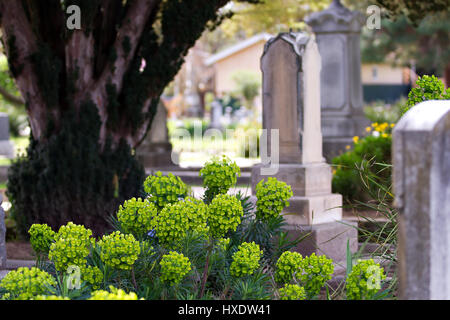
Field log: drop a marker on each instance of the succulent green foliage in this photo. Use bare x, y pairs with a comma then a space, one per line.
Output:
224, 215
26, 283
287, 266
174, 267
364, 281
219, 175
135, 216
68, 179
119, 251
41, 237
428, 88
292, 292
66, 252
171, 224
92, 275
71, 247
315, 271
245, 260
273, 196
50, 298
163, 190
113, 294
197, 214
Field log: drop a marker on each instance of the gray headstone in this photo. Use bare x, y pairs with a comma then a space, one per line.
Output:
156, 149
2, 237
421, 158
6, 147
337, 31
216, 115
291, 66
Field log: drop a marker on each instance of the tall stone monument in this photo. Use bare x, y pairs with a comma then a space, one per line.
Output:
156, 150
337, 31
421, 156
291, 66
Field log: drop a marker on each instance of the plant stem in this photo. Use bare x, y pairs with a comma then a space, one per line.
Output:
133, 278
205, 271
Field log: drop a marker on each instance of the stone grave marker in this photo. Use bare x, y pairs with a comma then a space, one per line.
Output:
421, 159
2, 237
291, 66
337, 32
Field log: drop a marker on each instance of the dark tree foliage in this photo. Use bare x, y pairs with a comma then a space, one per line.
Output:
90, 95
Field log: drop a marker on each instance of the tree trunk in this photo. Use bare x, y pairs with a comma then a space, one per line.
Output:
90, 95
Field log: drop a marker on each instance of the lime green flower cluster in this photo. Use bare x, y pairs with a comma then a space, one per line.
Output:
92, 275
119, 250
224, 214
223, 243
163, 190
272, 198
219, 175
71, 230
41, 237
69, 251
364, 281
174, 267
292, 292
196, 211
26, 283
245, 260
115, 294
52, 297
287, 266
171, 224
315, 271
135, 216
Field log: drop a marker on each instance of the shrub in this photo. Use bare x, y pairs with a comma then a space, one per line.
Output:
41, 237
135, 216
245, 260
25, 283
163, 190
428, 88
364, 281
315, 272
114, 294
273, 196
287, 266
174, 267
224, 215
219, 175
119, 250
292, 292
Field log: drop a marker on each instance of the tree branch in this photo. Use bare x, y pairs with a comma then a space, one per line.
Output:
17, 101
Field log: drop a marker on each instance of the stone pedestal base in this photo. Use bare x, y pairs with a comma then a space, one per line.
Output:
326, 238
156, 155
313, 202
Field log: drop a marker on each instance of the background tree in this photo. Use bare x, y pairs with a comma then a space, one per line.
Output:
90, 95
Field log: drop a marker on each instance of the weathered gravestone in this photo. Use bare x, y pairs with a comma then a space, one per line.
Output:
337, 31
6, 147
216, 115
421, 155
2, 237
291, 104
156, 150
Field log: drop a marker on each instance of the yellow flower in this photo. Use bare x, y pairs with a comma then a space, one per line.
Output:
355, 139
392, 125
374, 124
384, 135
347, 147
368, 129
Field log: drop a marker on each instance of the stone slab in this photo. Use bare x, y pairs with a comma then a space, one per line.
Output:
326, 238
2, 237
305, 179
